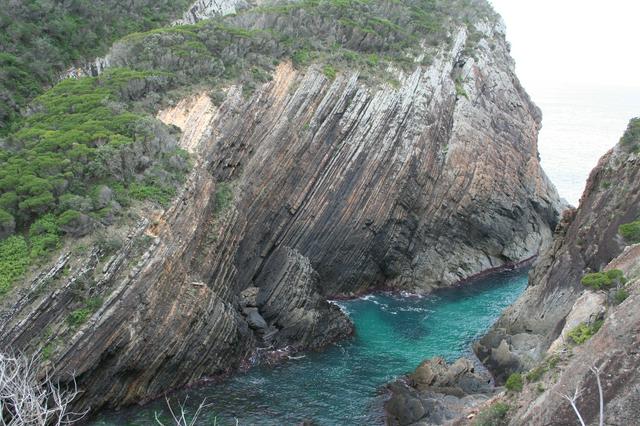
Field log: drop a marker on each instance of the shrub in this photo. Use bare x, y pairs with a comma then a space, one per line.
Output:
78, 317
514, 382
603, 280
6, 218
68, 217
44, 236
329, 72
620, 296
631, 137
630, 232
536, 373
584, 332
142, 191
14, 260
224, 197
495, 415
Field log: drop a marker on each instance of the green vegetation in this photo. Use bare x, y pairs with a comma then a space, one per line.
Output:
514, 383
335, 33
630, 232
14, 261
460, 92
620, 296
535, 374
584, 332
40, 39
80, 316
76, 155
495, 415
631, 137
329, 72
604, 280
224, 197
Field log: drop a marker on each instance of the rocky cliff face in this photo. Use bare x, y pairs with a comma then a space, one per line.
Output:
537, 332
586, 240
312, 186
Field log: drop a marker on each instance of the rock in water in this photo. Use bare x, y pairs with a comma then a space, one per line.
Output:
436, 392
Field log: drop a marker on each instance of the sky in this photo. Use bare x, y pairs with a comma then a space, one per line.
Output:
574, 41
580, 63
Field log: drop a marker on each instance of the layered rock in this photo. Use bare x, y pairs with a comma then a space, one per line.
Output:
310, 187
586, 241
613, 350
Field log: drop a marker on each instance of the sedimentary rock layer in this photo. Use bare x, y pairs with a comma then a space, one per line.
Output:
310, 187
586, 241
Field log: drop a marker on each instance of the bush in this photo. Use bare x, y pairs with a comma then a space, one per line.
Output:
631, 137
78, 317
142, 191
630, 232
14, 260
329, 72
584, 332
514, 382
603, 280
620, 296
536, 373
224, 197
495, 415
40, 39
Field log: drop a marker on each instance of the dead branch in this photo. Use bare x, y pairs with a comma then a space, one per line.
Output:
26, 399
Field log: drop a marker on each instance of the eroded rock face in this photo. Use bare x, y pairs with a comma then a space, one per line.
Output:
585, 242
311, 187
613, 350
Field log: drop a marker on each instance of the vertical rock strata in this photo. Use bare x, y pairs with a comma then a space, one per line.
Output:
311, 187
587, 239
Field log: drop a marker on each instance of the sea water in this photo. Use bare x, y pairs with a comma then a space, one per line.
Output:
343, 384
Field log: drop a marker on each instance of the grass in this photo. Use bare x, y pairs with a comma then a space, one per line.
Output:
329, 72
584, 332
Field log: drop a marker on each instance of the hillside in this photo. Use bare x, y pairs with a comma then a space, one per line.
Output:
206, 193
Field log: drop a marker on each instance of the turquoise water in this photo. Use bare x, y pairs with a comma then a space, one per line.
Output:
342, 385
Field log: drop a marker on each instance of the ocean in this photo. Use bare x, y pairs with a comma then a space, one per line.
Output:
579, 125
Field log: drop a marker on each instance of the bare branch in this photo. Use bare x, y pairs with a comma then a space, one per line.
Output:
572, 400
26, 399
596, 371
181, 418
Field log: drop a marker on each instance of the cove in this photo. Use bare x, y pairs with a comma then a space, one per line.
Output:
342, 385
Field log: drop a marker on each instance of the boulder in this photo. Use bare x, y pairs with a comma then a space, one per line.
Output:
436, 392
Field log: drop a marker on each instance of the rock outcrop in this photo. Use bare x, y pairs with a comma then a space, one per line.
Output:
436, 393
586, 240
310, 187
556, 306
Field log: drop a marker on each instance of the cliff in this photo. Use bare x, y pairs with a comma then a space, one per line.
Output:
313, 181
544, 331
